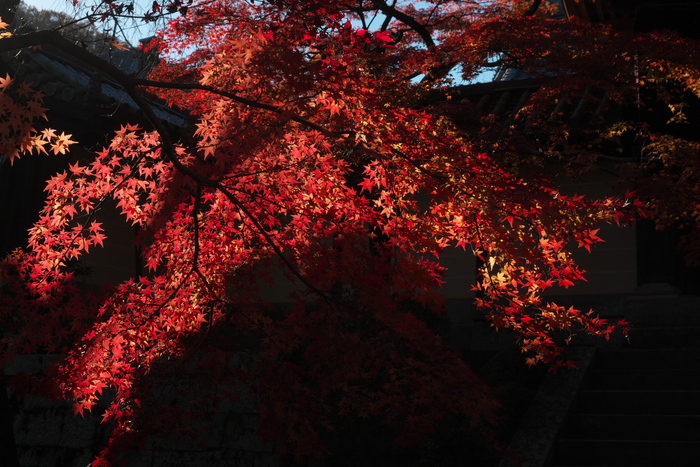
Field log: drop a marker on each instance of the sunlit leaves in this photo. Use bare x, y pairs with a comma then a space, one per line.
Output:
20, 107
314, 156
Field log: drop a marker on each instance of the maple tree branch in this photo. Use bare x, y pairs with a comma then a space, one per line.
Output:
495, 63
21, 41
533, 8
572, 160
408, 20
387, 18
195, 225
390, 11
130, 86
161, 306
232, 96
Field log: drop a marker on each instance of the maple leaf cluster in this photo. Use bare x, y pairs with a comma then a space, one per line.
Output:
20, 107
315, 152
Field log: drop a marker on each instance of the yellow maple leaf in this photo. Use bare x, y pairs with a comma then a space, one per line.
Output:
119, 45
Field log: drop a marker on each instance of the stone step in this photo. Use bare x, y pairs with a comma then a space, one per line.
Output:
681, 311
627, 453
670, 402
641, 379
639, 404
688, 358
685, 306
663, 337
633, 427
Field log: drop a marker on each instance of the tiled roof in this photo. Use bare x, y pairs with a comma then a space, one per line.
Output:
505, 99
78, 90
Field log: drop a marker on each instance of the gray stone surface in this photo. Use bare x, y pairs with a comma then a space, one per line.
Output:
48, 434
78, 432
38, 429
240, 433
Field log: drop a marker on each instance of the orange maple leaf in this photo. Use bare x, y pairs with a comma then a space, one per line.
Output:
60, 146
6, 82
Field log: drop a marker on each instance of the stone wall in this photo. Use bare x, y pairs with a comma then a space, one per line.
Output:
47, 434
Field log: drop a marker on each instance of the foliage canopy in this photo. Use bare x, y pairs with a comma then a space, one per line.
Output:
326, 142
